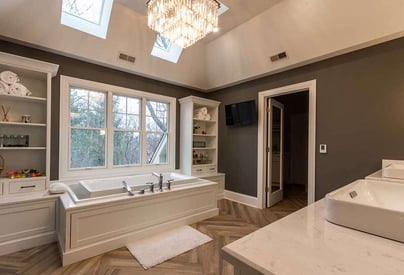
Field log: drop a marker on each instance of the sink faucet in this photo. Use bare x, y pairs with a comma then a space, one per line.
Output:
160, 177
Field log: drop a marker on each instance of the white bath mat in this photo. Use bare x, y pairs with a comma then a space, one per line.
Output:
161, 247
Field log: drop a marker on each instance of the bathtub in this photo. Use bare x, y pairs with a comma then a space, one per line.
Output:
96, 216
374, 207
99, 189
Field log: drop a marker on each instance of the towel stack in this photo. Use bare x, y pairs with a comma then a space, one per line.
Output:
9, 85
201, 114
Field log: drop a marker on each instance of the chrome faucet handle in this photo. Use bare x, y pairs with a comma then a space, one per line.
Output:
127, 188
169, 184
151, 186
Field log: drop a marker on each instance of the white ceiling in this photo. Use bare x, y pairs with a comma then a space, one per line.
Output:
251, 31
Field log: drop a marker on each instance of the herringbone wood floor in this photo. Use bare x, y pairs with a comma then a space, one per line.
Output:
234, 221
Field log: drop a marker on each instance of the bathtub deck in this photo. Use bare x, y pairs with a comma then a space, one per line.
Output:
234, 221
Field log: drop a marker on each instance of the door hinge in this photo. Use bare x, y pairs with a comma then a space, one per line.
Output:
268, 150
266, 189
268, 109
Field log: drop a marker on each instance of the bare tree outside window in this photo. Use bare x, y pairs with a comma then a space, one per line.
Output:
87, 128
126, 123
88, 131
156, 132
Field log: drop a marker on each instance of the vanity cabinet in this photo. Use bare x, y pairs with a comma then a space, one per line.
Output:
25, 131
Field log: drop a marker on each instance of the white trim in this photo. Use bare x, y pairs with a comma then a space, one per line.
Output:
299, 87
28, 63
241, 198
66, 175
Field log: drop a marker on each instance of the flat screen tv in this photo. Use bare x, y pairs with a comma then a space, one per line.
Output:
241, 114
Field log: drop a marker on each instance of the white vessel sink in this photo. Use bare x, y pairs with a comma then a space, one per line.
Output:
375, 207
393, 169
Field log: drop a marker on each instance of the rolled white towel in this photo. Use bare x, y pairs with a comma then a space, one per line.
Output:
9, 77
198, 116
207, 117
19, 89
4, 88
203, 110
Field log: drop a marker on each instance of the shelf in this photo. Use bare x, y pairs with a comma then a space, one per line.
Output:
204, 148
202, 165
22, 148
22, 124
202, 120
24, 98
201, 135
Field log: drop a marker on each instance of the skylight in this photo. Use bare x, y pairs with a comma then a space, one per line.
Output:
90, 16
223, 8
166, 50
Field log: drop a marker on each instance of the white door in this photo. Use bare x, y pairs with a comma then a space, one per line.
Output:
274, 148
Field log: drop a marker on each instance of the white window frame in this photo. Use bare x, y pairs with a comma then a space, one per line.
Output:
66, 173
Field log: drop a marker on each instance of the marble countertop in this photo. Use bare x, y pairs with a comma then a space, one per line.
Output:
305, 243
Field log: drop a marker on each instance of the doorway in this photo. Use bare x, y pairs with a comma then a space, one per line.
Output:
274, 147
267, 160
293, 147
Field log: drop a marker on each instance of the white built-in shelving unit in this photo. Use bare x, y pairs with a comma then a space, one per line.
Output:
36, 76
199, 140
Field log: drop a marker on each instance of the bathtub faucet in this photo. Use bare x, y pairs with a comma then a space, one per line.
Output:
160, 177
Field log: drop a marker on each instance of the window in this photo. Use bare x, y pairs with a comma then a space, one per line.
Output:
156, 132
126, 125
87, 128
90, 16
107, 130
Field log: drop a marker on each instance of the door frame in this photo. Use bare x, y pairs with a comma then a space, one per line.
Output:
309, 86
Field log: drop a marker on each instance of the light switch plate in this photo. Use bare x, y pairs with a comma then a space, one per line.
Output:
323, 148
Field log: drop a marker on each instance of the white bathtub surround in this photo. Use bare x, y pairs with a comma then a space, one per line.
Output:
27, 221
375, 207
166, 245
97, 225
305, 243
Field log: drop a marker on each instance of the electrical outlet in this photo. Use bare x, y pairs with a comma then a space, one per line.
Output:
323, 148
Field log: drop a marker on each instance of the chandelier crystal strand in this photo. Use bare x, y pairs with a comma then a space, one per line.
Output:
183, 22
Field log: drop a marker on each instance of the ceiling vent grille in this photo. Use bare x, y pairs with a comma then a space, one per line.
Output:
278, 56
127, 58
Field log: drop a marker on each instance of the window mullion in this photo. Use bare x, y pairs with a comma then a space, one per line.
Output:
110, 131
143, 133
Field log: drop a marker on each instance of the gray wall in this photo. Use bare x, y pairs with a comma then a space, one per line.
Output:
360, 114
84, 70
360, 99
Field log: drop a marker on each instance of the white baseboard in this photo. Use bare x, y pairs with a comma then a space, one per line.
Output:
28, 242
241, 198
220, 196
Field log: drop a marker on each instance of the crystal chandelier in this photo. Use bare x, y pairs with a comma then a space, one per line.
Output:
183, 22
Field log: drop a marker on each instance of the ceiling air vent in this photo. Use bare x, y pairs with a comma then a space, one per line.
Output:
126, 57
278, 56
